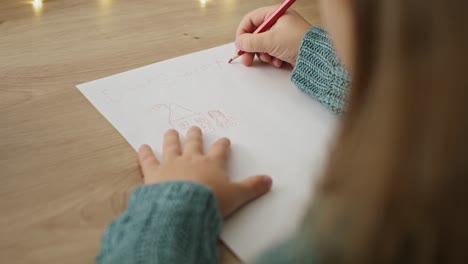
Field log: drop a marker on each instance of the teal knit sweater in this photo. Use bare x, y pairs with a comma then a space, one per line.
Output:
179, 222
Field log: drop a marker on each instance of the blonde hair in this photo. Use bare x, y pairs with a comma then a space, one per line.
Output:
396, 186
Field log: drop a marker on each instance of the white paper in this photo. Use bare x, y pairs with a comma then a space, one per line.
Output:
275, 129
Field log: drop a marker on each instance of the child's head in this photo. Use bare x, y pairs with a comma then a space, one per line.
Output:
396, 186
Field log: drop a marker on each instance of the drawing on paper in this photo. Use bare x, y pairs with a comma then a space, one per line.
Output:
221, 120
117, 94
181, 118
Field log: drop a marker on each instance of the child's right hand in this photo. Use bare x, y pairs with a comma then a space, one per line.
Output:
278, 45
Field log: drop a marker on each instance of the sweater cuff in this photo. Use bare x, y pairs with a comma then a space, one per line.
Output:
187, 200
319, 72
171, 222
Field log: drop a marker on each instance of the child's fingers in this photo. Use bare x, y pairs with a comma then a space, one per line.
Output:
276, 62
255, 43
193, 142
171, 144
247, 191
247, 59
148, 162
254, 19
264, 57
253, 187
220, 150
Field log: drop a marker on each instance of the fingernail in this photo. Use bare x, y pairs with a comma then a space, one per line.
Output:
143, 146
267, 182
172, 130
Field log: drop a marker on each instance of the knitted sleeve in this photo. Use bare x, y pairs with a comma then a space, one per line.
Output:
175, 222
318, 71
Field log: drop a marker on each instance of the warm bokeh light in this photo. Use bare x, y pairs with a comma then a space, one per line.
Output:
105, 3
203, 3
105, 6
37, 4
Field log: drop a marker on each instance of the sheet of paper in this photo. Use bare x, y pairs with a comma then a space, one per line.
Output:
275, 129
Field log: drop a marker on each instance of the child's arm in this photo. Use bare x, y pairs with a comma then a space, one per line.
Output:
173, 222
176, 216
318, 71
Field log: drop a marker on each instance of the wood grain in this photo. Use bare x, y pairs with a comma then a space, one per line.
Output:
65, 172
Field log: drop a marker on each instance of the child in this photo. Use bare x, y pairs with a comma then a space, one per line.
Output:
396, 185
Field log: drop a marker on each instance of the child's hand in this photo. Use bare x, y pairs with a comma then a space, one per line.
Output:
190, 164
280, 44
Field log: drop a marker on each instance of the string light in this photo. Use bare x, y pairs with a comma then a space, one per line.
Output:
37, 4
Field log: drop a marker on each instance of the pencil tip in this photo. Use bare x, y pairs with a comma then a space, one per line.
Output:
233, 58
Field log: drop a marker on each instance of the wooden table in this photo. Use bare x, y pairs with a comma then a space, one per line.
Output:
65, 172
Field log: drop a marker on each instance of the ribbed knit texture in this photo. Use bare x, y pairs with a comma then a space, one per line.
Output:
319, 73
179, 222
176, 222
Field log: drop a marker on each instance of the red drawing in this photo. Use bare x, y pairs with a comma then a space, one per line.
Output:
182, 118
204, 124
184, 125
220, 63
220, 119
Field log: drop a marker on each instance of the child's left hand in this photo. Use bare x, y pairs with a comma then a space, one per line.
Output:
190, 164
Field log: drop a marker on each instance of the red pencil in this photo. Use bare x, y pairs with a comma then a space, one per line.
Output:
267, 24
